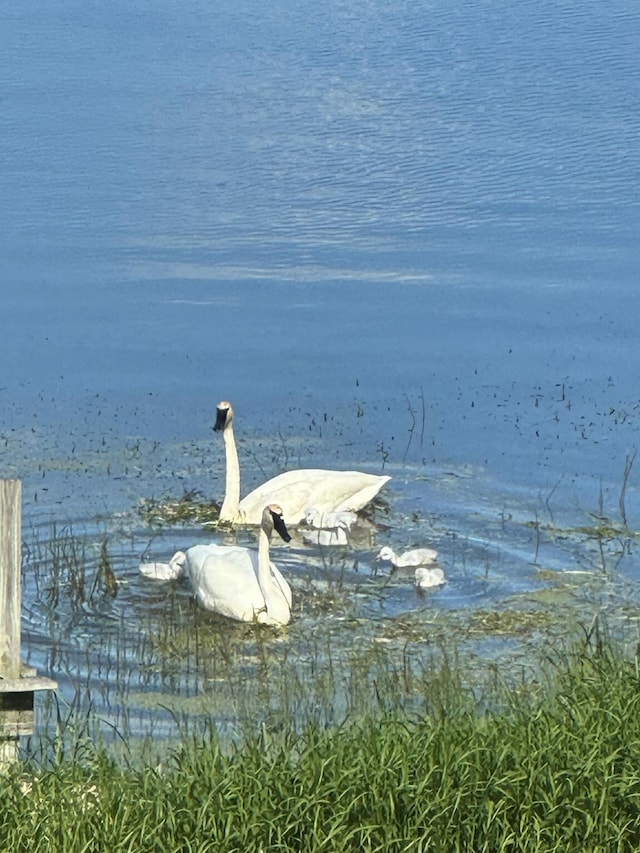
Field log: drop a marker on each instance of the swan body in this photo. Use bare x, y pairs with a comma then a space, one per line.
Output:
237, 582
426, 577
415, 557
333, 536
295, 491
328, 528
340, 519
164, 571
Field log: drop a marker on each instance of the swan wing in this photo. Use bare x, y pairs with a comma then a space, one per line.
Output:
224, 580
418, 557
358, 489
426, 578
290, 490
323, 489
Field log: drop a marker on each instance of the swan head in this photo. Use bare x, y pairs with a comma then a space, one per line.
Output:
312, 517
165, 571
224, 415
273, 519
386, 553
178, 560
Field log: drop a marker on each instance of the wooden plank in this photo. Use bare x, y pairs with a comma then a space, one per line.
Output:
26, 685
22, 723
18, 682
10, 576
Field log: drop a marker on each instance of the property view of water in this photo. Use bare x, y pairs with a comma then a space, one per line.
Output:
400, 237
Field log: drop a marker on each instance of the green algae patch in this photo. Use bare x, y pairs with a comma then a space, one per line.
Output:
189, 509
509, 622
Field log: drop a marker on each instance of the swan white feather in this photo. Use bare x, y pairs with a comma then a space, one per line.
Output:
237, 582
333, 536
415, 557
295, 491
164, 571
328, 528
426, 577
342, 519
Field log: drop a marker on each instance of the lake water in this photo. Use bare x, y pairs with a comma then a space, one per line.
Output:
398, 236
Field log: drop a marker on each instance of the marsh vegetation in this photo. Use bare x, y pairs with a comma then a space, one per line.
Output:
173, 727
485, 764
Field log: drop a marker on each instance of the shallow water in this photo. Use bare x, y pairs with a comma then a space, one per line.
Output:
398, 237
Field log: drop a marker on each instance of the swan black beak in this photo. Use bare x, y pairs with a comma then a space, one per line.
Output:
280, 526
221, 419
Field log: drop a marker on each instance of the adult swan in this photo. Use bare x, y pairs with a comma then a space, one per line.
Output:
237, 582
295, 491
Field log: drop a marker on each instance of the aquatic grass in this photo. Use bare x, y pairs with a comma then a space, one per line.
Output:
611, 539
163, 668
541, 770
191, 508
509, 621
159, 658
70, 569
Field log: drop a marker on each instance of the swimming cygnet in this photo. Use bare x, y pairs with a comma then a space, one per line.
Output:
426, 577
328, 528
415, 557
343, 519
422, 559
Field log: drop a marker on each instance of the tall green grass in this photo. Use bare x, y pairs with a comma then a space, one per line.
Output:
553, 767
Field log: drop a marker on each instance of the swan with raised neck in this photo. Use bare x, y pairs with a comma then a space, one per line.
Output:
295, 491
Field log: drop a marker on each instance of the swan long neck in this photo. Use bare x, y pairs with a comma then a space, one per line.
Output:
231, 504
277, 606
264, 565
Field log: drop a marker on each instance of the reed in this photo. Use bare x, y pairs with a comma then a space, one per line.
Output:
551, 769
70, 570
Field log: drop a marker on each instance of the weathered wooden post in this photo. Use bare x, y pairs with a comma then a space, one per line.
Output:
18, 682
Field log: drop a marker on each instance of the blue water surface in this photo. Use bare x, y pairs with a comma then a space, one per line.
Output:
402, 236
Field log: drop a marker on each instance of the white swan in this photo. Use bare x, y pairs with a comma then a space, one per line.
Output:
415, 557
328, 528
342, 520
237, 582
294, 491
324, 537
426, 577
